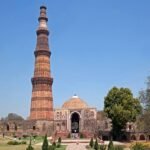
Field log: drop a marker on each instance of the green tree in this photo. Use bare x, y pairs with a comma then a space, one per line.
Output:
45, 143
59, 140
121, 107
144, 95
54, 144
96, 145
91, 142
143, 121
30, 146
111, 145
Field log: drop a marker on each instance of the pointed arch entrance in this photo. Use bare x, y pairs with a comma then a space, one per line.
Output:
75, 122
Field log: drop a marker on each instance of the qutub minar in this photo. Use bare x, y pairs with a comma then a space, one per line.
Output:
75, 117
42, 99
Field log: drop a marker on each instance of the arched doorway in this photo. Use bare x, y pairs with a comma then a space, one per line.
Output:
133, 137
142, 137
16, 128
75, 119
7, 126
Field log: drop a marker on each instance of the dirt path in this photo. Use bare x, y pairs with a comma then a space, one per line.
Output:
75, 146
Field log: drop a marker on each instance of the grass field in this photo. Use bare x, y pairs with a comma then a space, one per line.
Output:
5, 146
128, 146
146, 143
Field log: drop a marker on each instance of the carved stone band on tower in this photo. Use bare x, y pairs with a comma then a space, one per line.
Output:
42, 99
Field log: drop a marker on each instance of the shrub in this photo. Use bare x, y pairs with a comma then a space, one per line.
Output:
58, 145
91, 142
96, 145
19, 138
139, 146
34, 136
111, 146
102, 147
51, 147
23, 142
16, 142
45, 143
81, 136
25, 136
13, 143
59, 140
119, 147
30, 146
54, 144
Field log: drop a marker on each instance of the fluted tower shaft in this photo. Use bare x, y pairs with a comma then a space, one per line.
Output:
42, 99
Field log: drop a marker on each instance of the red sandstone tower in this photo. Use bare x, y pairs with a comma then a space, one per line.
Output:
42, 100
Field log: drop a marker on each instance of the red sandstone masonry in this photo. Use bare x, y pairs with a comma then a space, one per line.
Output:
42, 99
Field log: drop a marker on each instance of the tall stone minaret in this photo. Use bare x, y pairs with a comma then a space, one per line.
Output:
42, 99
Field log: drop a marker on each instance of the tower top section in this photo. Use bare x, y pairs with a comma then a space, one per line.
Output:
43, 18
43, 7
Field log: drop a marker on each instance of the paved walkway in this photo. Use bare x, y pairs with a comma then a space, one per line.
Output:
75, 146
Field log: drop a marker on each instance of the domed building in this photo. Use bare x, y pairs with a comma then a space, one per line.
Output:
75, 116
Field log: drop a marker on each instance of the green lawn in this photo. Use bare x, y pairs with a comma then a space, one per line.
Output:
89, 148
18, 147
5, 146
63, 147
23, 147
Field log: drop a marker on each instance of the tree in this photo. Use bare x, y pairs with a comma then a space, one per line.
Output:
102, 147
144, 119
45, 143
59, 140
96, 145
145, 95
30, 146
110, 145
13, 116
121, 107
91, 143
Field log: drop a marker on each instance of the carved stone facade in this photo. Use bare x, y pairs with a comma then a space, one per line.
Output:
19, 128
75, 117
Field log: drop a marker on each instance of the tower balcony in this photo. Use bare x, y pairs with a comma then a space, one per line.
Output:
42, 80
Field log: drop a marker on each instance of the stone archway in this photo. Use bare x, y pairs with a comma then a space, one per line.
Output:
75, 122
142, 137
7, 127
15, 127
148, 137
133, 138
58, 127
